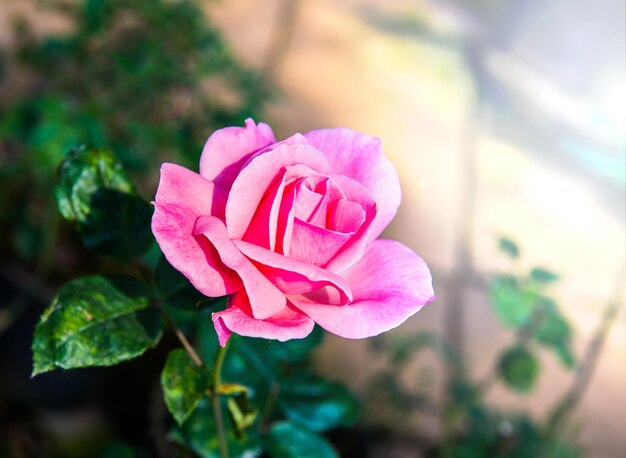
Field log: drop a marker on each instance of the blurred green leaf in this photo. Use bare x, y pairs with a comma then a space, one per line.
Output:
518, 368
95, 321
404, 347
555, 333
94, 193
512, 305
54, 134
544, 276
508, 247
199, 434
315, 403
184, 383
287, 440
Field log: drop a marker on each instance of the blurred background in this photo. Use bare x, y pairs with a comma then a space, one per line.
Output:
505, 119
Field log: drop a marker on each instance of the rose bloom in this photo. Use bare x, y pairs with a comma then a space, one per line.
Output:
289, 230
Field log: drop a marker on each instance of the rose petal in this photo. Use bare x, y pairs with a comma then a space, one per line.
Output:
360, 157
193, 256
265, 298
182, 196
390, 283
292, 276
179, 185
307, 202
287, 324
228, 149
353, 250
262, 228
258, 174
315, 245
346, 216
284, 223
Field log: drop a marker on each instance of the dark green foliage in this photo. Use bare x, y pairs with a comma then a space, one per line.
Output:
95, 321
264, 382
184, 384
242, 413
198, 434
174, 288
518, 368
286, 440
148, 79
315, 403
95, 194
130, 75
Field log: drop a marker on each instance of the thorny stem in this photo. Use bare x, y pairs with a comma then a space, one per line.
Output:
215, 400
217, 371
179, 334
149, 279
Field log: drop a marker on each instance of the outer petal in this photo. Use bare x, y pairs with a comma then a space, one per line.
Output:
265, 299
258, 174
181, 186
360, 157
287, 324
292, 276
390, 283
228, 149
182, 196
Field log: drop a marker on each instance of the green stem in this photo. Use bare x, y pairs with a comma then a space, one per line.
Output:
179, 335
215, 400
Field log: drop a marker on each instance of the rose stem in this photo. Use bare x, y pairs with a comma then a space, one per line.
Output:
179, 334
217, 408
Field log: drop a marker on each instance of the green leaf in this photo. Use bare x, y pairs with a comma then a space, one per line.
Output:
242, 413
184, 383
555, 333
315, 403
286, 440
199, 434
81, 174
544, 276
508, 247
95, 321
94, 193
512, 305
175, 289
518, 368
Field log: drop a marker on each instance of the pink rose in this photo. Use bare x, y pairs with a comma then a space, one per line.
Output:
289, 230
